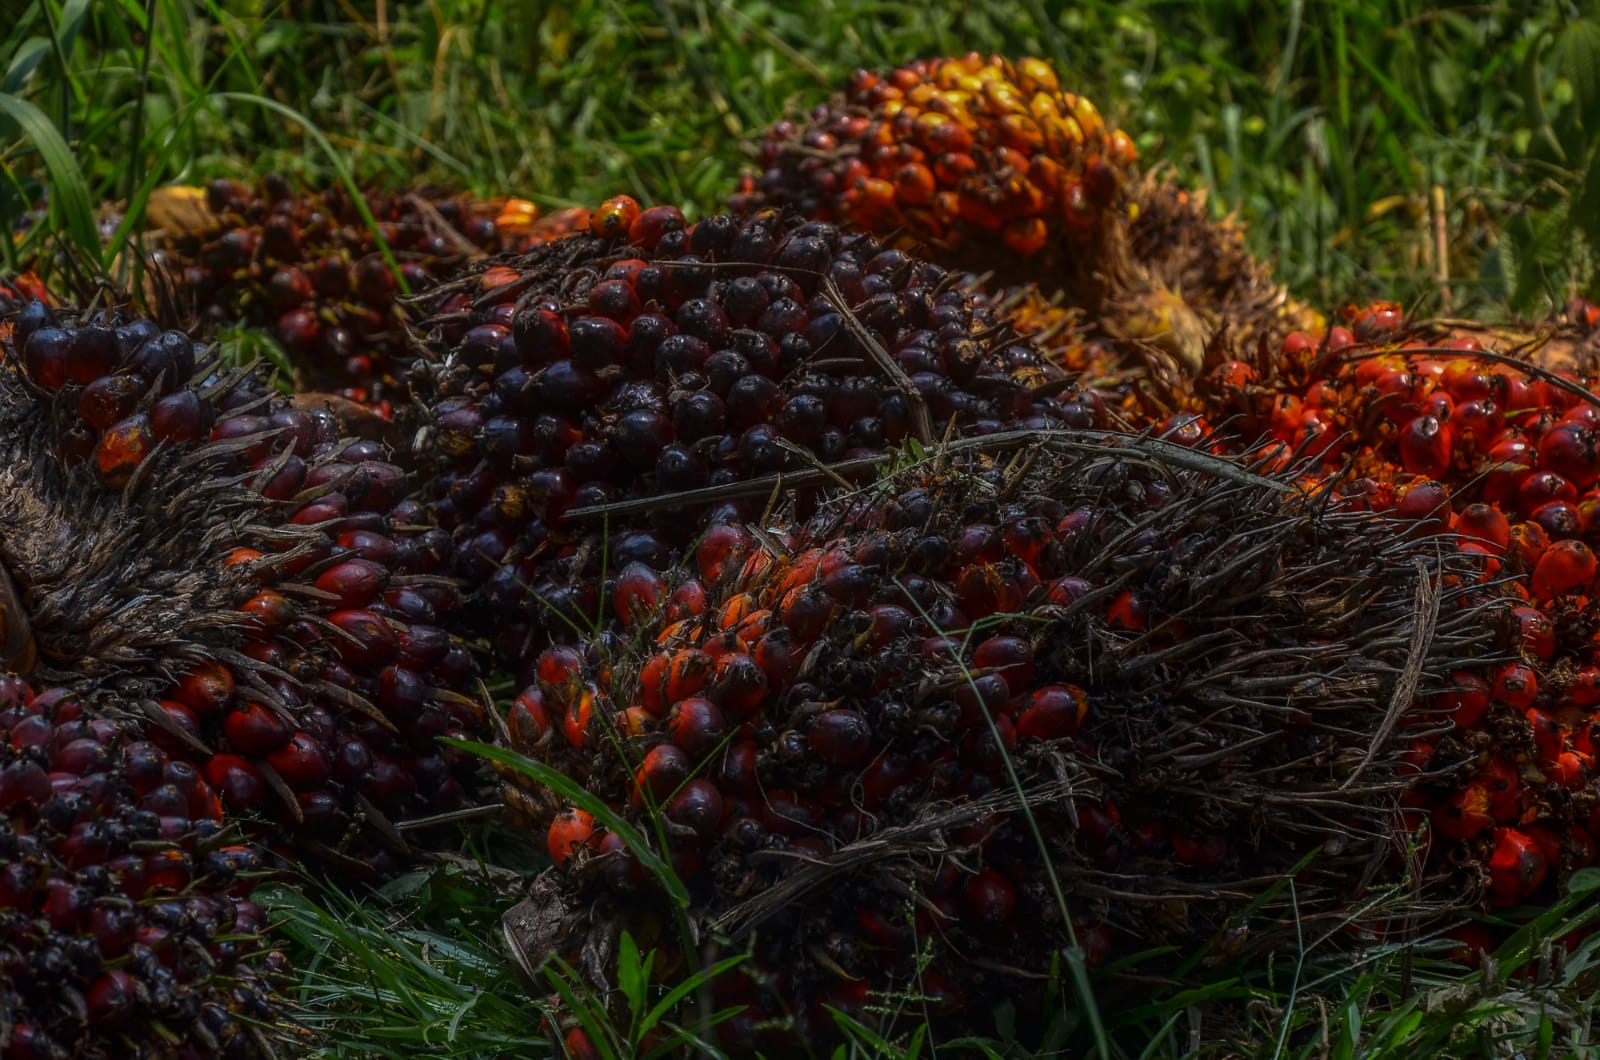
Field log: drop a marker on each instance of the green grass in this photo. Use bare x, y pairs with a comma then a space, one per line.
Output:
1443, 157
1357, 139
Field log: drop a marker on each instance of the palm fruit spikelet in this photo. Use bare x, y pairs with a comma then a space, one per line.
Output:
251, 587
1427, 422
126, 926
652, 359
1201, 678
992, 168
308, 267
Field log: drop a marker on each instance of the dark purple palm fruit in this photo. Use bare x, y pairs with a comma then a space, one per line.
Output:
653, 358
307, 266
1201, 682
126, 924
261, 587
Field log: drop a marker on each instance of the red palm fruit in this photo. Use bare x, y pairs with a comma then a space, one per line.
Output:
739, 684
579, 716
1564, 567
699, 806
1515, 685
1485, 524
638, 593
255, 729
1014, 658
302, 762
237, 781
529, 719
1516, 866
687, 672
1547, 734
1053, 712
612, 218
1570, 450
1503, 788
354, 583
1571, 770
559, 669
840, 737
990, 899
1128, 612
1526, 545
1464, 814
1206, 851
1466, 701
1426, 504
367, 638
570, 830
1426, 445
269, 610
665, 767
1536, 633
206, 689
696, 724
122, 448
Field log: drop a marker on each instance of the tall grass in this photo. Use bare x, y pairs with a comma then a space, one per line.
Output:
1437, 155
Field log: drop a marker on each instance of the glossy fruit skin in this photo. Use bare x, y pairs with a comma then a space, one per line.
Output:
306, 266
869, 709
691, 362
99, 896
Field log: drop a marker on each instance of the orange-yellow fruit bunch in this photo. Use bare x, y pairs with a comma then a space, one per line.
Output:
950, 151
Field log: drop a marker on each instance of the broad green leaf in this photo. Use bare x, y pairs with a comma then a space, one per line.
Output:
69, 192
1575, 55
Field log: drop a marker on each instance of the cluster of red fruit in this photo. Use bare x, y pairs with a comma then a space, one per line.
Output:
1504, 458
126, 927
309, 268
951, 152
654, 357
826, 723
325, 672
830, 732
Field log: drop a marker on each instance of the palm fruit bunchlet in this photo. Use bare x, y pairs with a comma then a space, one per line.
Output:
307, 267
126, 926
1435, 428
254, 588
1200, 679
991, 167
652, 357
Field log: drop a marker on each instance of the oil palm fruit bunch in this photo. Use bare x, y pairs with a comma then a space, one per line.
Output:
990, 167
253, 587
1505, 455
816, 746
650, 358
308, 267
126, 926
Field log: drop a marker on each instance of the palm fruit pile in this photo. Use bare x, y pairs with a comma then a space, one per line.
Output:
991, 168
254, 588
1424, 422
1197, 677
308, 268
126, 926
653, 358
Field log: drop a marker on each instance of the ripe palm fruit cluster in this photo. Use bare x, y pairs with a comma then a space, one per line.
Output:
952, 151
829, 733
126, 927
993, 169
1506, 457
254, 586
652, 358
309, 269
